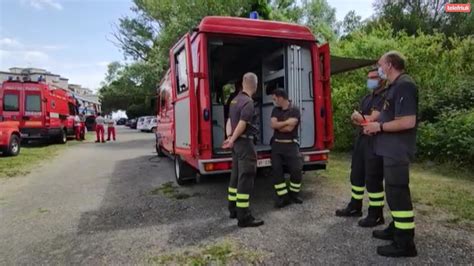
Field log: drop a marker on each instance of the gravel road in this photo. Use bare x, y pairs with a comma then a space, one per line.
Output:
101, 204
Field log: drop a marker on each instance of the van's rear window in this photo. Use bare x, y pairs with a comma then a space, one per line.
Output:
33, 103
10, 102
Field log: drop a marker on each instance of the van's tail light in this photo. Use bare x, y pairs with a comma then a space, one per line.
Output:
209, 167
47, 121
315, 157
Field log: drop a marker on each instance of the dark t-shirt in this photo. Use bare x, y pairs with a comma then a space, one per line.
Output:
227, 104
371, 102
401, 100
242, 108
282, 115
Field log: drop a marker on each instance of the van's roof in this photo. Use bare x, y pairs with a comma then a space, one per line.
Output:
255, 27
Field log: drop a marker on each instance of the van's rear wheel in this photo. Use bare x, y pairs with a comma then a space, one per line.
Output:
183, 172
14, 146
62, 139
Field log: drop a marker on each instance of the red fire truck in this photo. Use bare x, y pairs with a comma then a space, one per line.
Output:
10, 138
205, 65
43, 111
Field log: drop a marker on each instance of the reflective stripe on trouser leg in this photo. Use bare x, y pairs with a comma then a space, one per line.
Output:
404, 220
243, 200
232, 194
376, 199
295, 187
357, 192
281, 189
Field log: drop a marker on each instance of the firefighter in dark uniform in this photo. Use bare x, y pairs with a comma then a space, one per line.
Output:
367, 167
395, 141
244, 155
285, 119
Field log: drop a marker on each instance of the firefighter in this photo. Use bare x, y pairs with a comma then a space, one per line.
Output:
99, 128
244, 156
110, 128
285, 119
77, 126
237, 89
395, 141
367, 167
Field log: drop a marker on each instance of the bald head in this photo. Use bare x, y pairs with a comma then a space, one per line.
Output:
250, 82
392, 64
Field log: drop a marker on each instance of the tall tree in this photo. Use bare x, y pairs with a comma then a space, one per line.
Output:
321, 18
351, 22
425, 16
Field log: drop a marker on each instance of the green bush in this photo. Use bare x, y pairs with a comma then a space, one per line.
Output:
450, 139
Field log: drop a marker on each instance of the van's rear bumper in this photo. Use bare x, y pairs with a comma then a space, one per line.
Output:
308, 165
39, 133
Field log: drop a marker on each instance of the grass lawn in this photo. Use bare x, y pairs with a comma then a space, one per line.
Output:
32, 155
435, 189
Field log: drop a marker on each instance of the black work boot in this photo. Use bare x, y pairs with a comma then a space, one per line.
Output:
385, 234
246, 219
294, 196
353, 209
232, 210
402, 246
282, 201
374, 218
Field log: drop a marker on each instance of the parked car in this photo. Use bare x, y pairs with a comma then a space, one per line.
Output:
121, 121
142, 121
127, 123
133, 123
150, 124
90, 123
10, 140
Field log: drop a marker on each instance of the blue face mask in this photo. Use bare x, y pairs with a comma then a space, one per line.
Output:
372, 84
382, 74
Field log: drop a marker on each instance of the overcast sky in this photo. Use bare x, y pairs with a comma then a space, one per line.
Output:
71, 37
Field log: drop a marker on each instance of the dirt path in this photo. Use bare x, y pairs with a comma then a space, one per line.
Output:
111, 203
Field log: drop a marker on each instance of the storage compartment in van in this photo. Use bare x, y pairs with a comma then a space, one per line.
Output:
277, 64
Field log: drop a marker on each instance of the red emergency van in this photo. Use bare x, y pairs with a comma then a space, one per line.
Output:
10, 140
205, 65
43, 111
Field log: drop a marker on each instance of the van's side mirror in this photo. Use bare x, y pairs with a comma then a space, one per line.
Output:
45, 100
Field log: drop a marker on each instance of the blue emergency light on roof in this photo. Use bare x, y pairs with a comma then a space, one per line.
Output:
254, 15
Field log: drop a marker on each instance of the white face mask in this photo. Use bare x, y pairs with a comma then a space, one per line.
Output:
382, 74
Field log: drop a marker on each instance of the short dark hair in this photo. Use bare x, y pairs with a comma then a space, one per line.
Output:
280, 93
396, 59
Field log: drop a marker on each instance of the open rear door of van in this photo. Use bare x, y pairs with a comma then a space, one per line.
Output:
185, 100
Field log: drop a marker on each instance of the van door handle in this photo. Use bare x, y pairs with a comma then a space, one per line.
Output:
26, 118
